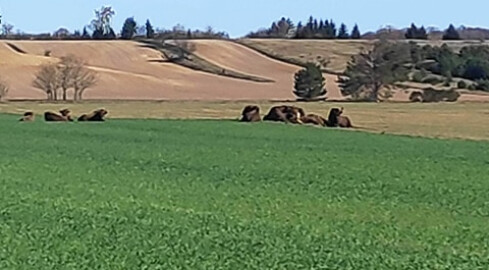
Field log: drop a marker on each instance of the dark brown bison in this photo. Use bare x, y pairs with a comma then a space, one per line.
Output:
314, 119
95, 116
250, 113
335, 119
28, 117
284, 113
54, 117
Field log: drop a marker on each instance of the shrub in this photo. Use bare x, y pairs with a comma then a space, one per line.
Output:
462, 85
433, 80
433, 95
417, 77
482, 85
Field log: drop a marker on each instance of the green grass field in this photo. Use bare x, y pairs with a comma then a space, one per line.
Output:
208, 194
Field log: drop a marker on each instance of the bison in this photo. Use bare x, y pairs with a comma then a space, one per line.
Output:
28, 117
284, 113
95, 116
314, 119
250, 113
335, 119
54, 117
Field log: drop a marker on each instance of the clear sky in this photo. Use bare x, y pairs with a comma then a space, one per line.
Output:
238, 17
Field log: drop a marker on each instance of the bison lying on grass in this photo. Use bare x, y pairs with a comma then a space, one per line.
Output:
54, 117
251, 113
65, 116
335, 119
95, 116
296, 115
286, 114
28, 117
314, 119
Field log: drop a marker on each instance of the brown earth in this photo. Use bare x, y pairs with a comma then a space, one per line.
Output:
125, 71
128, 70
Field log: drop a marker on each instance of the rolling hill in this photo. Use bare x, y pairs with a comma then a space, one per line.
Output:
129, 70
126, 71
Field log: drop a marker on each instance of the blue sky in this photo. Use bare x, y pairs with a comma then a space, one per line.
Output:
238, 17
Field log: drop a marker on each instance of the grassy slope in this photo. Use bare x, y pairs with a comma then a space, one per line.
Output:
223, 195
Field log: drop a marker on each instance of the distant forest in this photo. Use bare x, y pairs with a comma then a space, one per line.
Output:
100, 28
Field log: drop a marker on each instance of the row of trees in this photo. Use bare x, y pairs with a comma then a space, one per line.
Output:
100, 28
313, 29
327, 29
366, 75
370, 72
58, 79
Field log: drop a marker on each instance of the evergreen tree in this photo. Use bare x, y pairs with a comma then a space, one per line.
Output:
355, 33
85, 34
150, 32
451, 33
411, 32
367, 73
299, 33
129, 28
416, 33
422, 34
309, 82
332, 29
343, 32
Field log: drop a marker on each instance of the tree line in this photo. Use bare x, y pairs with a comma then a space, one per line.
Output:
100, 28
328, 29
370, 75
313, 29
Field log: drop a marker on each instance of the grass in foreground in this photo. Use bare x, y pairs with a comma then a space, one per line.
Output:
152, 194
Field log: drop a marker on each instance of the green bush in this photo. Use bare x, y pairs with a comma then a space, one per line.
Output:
482, 85
462, 85
433, 80
417, 77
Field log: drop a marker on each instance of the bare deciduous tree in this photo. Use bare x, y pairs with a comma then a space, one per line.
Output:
47, 79
84, 79
7, 29
69, 73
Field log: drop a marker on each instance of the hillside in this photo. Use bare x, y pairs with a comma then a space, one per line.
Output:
129, 70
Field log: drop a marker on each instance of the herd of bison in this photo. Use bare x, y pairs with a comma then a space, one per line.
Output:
65, 116
251, 113
296, 115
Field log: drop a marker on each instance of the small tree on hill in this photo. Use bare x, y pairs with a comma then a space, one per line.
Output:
309, 82
150, 32
416, 33
451, 33
368, 72
343, 32
355, 33
69, 73
101, 24
129, 28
